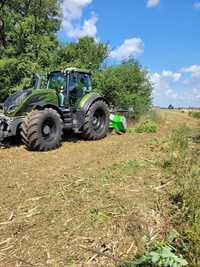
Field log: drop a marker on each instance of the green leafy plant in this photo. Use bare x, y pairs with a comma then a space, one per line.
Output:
148, 126
159, 256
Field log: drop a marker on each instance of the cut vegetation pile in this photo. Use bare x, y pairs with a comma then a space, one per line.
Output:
120, 201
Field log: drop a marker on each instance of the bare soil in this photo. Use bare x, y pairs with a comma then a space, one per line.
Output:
84, 204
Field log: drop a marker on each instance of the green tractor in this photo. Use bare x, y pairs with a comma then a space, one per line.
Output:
42, 113
67, 102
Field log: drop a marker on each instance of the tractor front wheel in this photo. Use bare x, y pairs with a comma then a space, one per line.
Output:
41, 130
96, 121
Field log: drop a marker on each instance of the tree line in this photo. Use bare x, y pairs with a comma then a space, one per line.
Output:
29, 43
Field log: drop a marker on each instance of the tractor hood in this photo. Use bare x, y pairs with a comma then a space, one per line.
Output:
14, 100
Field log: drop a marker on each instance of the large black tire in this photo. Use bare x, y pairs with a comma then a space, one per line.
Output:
96, 121
41, 130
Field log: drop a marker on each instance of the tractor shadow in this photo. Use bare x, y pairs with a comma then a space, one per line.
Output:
68, 136
11, 142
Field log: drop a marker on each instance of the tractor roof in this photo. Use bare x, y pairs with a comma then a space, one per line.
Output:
78, 70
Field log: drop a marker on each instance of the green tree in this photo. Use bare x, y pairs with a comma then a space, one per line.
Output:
86, 53
125, 85
25, 25
27, 40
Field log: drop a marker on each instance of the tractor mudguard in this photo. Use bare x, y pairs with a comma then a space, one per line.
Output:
89, 99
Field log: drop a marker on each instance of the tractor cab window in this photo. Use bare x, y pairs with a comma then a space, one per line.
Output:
72, 81
80, 81
85, 82
56, 80
79, 85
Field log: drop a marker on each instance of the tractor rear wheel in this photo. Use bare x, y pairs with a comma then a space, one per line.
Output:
96, 121
42, 130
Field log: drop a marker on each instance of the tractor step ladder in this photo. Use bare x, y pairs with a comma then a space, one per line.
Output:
67, 118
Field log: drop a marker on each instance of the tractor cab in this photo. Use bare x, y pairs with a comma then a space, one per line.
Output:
72, 83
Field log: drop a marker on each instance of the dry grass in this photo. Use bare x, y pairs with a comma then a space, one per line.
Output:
85, 204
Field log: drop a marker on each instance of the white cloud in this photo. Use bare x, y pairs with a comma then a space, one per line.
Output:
153, 3
194, 70
155, 78
129, 48
163, 85
165, 75
196, 5
181, 88
174, 75
192, 77
72, 12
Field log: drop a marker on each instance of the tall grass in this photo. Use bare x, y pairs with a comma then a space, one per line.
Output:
184, 159
195, 114
181, 164
155, 116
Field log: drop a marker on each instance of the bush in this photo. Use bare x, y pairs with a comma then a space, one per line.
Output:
195, 114
126, 86
170, 107
148, 126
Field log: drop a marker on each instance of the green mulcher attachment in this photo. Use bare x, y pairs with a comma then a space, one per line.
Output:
118, 123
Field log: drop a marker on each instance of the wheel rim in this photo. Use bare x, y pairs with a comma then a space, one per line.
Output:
48, 129
99, 120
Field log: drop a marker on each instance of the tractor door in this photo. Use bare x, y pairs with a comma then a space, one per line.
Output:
58, 81
79, 85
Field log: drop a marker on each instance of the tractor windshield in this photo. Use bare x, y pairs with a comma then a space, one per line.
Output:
56, 80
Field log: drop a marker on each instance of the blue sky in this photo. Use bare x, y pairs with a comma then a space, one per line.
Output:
164, 35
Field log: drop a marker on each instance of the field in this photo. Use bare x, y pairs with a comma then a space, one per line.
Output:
87, 203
